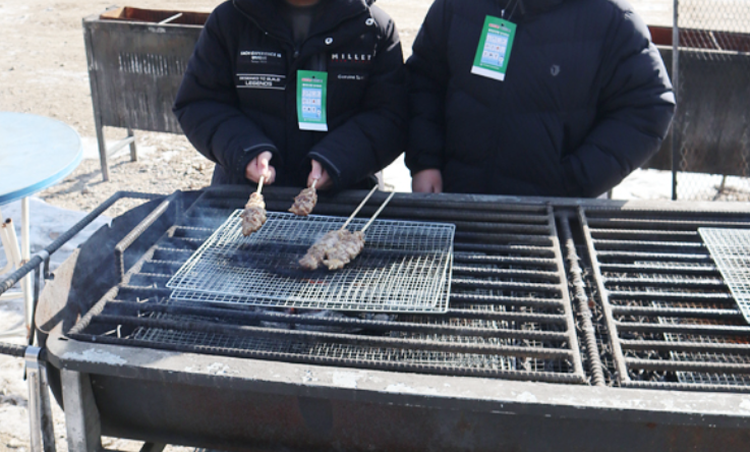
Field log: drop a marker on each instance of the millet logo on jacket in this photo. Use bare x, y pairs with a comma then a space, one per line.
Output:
351, 57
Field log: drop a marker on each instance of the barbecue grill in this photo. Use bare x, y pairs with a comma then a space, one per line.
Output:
572, 324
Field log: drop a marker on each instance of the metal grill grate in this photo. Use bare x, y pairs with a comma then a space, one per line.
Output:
509, 314
730, 249
427, 358
404, 267
671, 319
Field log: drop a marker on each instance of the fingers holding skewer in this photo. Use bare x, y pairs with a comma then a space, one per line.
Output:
259, 167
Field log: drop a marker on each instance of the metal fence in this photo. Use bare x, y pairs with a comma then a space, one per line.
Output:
710, 138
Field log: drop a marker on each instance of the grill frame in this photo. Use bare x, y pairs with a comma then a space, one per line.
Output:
396, 408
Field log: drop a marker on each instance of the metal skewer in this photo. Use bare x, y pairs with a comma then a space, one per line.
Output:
375, 215
359, 207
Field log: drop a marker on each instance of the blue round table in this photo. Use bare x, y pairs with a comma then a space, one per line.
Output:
35, 153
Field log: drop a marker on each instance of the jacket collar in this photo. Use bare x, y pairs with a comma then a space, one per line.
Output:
264, 13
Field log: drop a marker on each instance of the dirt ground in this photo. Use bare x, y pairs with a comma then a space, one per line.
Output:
43, 71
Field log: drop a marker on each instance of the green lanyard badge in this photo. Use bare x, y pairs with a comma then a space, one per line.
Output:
311, 100
493, 52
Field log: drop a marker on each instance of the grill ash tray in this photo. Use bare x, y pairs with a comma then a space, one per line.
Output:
404, 267
730, 250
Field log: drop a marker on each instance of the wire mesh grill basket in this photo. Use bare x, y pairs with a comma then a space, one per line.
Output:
730, 250
404, 267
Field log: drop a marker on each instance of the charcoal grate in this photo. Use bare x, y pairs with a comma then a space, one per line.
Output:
404, 267
730, 250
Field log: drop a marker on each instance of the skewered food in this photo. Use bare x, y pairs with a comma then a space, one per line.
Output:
304, 202
254, 215
335, 249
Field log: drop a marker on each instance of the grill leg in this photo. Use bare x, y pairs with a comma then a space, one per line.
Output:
153, 447
40, 413
81, 414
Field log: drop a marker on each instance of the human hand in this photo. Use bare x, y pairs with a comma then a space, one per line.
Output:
427, 181
319, 173
259, 166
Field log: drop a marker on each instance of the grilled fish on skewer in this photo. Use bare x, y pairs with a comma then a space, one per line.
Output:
305, 201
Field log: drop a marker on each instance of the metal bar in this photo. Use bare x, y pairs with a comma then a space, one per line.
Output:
523, 250
352, 322
461, 258
692, 284
688, 366
487, 238
697, 313
137, 231
469, 298
35, 412
715, 330
476, 226
339, 338
662, 223
619, 254
582, 299
619, 358
28, 300
563, 289
133, 148
477, 272
708, 270
18, 351
676, 137
42, 435
672, 296
170, 19
14, 277
688, 347
634, 234
81, 414
698, 387
153, 447
526, 317
437, 204
120, 144
551, 377
639, 245
96, 97
503, 285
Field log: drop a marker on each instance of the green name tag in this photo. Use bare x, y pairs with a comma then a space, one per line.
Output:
493, 52
311, 100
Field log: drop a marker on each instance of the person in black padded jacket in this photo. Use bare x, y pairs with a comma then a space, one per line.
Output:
534, 97
245, 104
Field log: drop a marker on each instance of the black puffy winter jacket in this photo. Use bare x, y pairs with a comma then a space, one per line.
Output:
238, 96
585, 101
